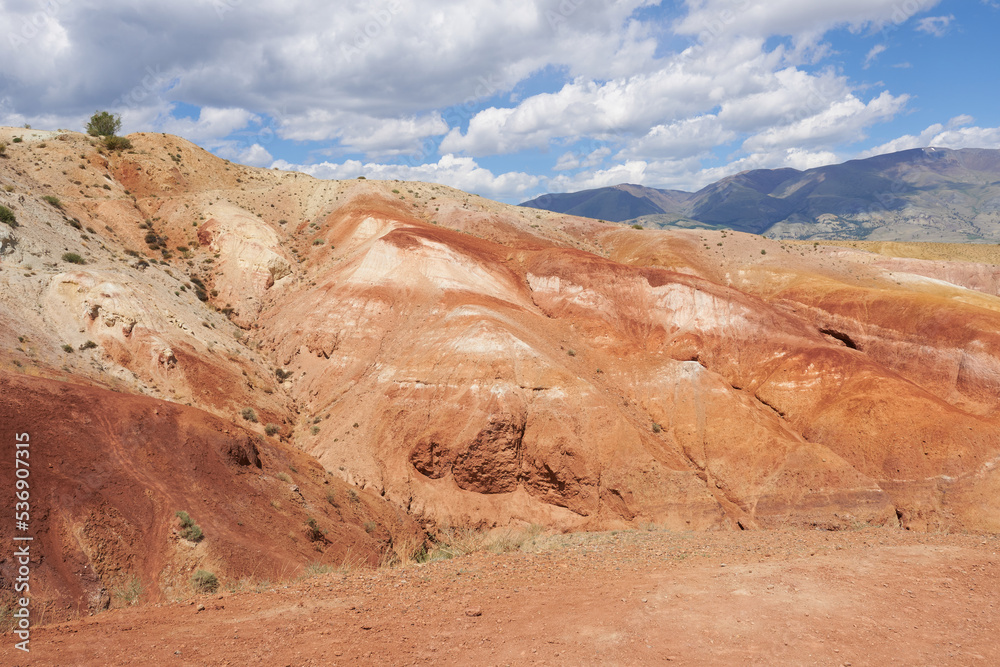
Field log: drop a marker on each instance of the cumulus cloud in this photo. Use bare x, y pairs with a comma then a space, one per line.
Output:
956, 133
458, 172
806, 21
659, 91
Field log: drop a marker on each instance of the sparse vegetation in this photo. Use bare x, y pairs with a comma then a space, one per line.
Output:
189, 529
657, 428
7, 216
204, 581
89, 345
271, 429
313, 530
128, 592
117, 144
73, 258
283, 476
249, 414
67, 348
53, 200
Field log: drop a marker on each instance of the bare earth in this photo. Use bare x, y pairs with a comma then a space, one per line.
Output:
869, 597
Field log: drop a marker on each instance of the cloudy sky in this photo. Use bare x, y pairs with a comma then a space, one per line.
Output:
513, 98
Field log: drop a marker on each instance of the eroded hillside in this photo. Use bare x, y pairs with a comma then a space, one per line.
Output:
479, 364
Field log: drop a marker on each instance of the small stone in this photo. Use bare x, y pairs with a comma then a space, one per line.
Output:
201, 607
473, 611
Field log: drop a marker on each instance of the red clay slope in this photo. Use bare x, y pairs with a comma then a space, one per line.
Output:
108, 472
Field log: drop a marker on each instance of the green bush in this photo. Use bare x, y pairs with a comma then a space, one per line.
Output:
204, 581
73, 258
117, 144
53, 200
249, 414
189, 529
271, 429
657, 428
7, 216
3, 148
67, 348
17, 140
89, 345
104, 124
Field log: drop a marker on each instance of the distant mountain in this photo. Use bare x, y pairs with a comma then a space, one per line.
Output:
924, 194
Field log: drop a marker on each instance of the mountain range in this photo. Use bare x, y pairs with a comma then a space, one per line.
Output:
924, 194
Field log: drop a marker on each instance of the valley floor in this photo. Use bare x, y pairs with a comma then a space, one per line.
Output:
867, 597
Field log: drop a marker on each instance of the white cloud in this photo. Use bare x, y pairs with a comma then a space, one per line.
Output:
211, 124
804, 20
955, 134
843, 121
256, 156
873, 54
570, 160
458, 172
680, 139
364, 134
935, 25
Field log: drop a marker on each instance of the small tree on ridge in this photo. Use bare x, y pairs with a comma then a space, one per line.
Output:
104, 124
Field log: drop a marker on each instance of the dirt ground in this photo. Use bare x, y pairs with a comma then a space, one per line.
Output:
870, 597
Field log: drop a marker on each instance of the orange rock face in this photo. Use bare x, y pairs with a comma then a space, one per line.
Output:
478, 364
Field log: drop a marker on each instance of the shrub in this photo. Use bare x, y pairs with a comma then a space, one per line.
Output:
129, 591
284, 477
67, 348
189, 529
3, 148
249, 414
53, 200
104, 124
73, 258
282, 374
117, 144
657, 428
7, 216
271, 429
89, 345
204, 581
17, 140
763, 252
315, 430
313, 530
637, 226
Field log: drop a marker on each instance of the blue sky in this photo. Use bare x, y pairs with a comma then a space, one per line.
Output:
513, 98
